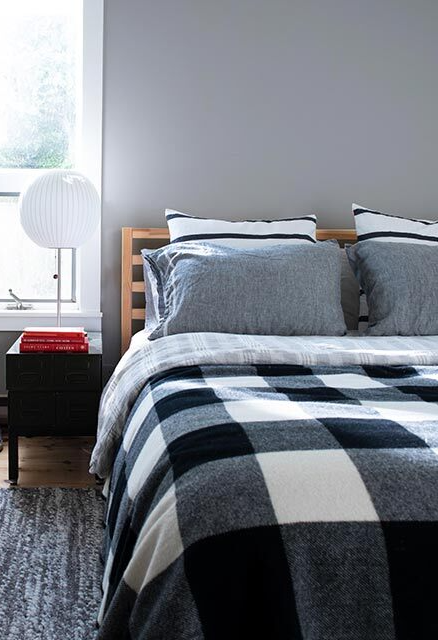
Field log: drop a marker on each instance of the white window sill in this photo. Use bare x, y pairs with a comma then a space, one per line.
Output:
13, 320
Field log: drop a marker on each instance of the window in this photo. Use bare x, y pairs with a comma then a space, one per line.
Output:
40, 81
28, 269
50, 117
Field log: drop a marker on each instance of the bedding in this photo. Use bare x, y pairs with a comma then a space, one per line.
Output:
278, 290
246, 233
153, 294
363, 320
349, 293
385, 227
271, 487
401, 284
155, 301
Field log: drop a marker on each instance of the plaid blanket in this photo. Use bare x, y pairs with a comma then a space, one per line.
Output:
145, 359
276, 501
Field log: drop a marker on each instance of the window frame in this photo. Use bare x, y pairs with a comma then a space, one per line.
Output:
43, 301
86, 310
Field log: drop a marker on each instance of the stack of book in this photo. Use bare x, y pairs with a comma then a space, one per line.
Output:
65, 339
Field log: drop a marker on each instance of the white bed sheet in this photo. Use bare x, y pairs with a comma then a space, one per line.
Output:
391, 349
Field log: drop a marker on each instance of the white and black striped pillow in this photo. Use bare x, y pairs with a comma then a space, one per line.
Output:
385, 227
248, 233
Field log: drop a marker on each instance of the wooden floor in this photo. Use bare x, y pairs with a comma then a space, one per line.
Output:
50, 462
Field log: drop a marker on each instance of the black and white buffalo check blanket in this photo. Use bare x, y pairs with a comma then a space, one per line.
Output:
272, 500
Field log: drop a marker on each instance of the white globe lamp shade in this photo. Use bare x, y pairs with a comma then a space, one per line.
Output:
60, 209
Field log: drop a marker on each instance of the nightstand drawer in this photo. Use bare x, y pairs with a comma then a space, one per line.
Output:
29, 409
76, 413
77, 372
29, 372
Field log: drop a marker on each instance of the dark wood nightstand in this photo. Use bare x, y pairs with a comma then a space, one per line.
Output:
52, 394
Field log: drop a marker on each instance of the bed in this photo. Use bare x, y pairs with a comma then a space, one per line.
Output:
268, 486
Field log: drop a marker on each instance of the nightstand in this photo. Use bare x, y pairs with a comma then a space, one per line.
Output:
52, 394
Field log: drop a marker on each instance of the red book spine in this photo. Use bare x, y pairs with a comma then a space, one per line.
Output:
34, 334
43, 346
43, 339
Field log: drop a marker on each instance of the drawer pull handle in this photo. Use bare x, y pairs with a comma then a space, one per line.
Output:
77, 378
30, 378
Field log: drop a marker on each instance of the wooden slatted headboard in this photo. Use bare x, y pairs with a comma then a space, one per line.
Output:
133, 240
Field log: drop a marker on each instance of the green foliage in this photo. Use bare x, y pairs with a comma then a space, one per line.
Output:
42, 95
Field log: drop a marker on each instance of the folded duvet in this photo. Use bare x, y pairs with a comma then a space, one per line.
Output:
285, 494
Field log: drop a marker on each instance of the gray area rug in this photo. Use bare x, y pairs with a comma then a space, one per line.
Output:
50, 571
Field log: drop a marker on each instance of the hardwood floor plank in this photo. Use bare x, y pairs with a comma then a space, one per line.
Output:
51, 462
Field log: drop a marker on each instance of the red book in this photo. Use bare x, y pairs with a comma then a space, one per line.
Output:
44, 346
31, 340
54, 332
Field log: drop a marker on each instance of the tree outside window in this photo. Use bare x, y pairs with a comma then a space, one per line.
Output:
39, 64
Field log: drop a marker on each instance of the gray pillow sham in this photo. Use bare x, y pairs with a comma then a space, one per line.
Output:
153, 295
362, 322
277, 290
349, 292
401, 284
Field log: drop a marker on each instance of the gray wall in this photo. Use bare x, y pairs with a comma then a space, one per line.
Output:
238, 108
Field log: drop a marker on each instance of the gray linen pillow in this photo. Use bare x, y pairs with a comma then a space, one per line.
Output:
153, 296
349, 293
401, 284
362, 323
277, 290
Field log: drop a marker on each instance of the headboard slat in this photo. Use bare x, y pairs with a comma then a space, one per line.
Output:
154, 236
126, 284
342, 235
138, 314
156, 233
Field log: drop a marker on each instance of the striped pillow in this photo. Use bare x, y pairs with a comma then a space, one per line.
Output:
384, 227
249, 233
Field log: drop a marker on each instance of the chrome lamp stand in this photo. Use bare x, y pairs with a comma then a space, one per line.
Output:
57, 277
